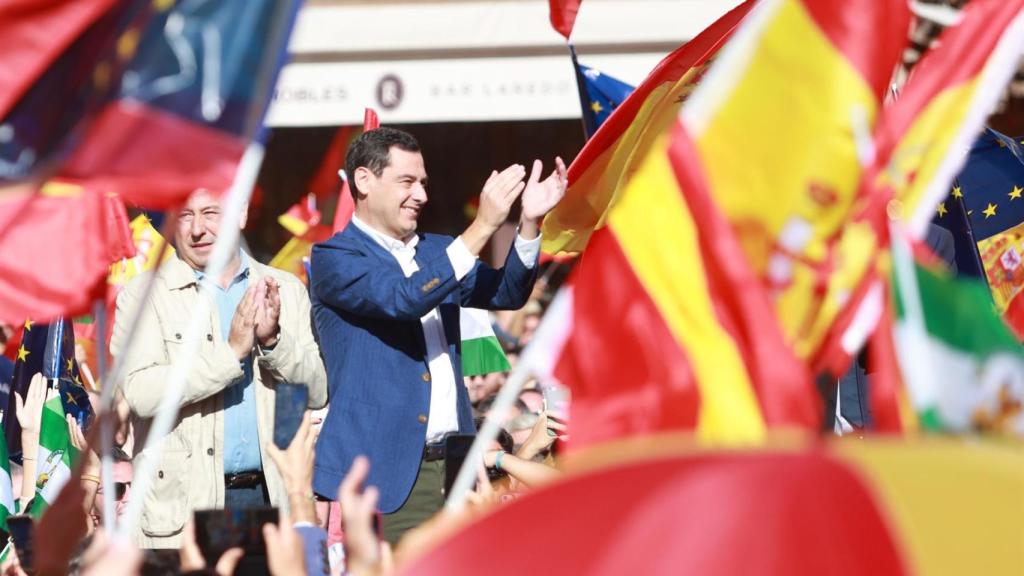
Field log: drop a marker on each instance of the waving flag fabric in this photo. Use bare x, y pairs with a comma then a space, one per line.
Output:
601, 170
563, 15
944, 105
47, 349
35, 34
6, 487
665, 327
600, 94
154, 99
788, 181
56, 456
963, 367
58, 244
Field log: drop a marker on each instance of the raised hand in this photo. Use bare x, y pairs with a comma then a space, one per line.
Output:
243, 325
499, 193
540, 196
268, 311
363, 551
30, 408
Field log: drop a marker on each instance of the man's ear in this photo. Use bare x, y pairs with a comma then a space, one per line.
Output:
361, 181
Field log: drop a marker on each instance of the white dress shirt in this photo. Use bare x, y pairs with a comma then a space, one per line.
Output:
443, 416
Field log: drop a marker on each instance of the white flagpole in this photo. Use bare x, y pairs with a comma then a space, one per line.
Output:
163, 421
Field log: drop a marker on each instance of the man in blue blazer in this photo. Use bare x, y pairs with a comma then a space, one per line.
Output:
386, 305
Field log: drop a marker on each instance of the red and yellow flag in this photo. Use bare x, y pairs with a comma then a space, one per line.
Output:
922, 138
664, 326
601, 170
780, 123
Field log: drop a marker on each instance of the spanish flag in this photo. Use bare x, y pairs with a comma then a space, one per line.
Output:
600, 172
922, 138
780, 124
664, 326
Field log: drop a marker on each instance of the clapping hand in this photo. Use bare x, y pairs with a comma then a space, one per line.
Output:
268, 312
540, 196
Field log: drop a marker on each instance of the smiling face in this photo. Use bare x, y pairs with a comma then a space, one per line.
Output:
391, 203
197, 228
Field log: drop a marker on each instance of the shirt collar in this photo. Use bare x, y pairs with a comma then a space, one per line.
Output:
392, 245
243, 268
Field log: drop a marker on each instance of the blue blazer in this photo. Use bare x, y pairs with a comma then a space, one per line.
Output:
367, 314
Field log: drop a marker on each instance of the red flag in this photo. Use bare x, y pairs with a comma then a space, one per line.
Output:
728, 513
57, 245
563, 15
35, 34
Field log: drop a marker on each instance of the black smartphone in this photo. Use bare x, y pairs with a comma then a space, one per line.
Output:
289, 406
218, 530
21, 528
456, 447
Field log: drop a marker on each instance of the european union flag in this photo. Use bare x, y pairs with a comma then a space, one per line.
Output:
989, 195
153, 100
48, 349
599, 94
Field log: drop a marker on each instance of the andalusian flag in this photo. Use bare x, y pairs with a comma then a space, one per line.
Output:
6, 489
55, 455
963, 368
601, 171
665, 327
481, 351
923, 137
783, 123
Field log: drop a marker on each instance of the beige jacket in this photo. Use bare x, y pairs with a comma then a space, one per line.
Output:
191, 468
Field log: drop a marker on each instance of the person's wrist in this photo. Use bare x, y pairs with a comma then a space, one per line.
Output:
529, 228
269, 342
240, 352
498, 458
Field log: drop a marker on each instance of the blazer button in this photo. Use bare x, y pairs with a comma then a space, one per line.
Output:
209, 451
178, 335
160, 474
422, 419
426, 376
209, 337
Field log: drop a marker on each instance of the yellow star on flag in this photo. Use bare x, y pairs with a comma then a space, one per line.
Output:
28, 324
957, 193
989, 211
1016, 192
71, 399
22, 354
596, 107
942, 209
71, 364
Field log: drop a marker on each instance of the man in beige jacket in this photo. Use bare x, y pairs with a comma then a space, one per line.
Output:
258, 335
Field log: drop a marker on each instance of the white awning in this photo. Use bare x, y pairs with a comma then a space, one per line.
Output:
468, 61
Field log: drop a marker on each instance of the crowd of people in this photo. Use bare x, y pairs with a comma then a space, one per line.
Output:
374, 343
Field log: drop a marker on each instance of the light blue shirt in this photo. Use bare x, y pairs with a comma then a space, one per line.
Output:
241, 438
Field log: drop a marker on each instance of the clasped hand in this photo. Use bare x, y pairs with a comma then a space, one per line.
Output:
256, 318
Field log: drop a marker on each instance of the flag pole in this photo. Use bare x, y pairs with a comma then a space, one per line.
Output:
586, 118
167, 411
106, 424
534, 360
238, 196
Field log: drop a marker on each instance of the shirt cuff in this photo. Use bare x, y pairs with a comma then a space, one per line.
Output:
528, 250
461, 258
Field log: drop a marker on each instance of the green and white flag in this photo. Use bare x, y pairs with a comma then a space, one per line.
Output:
963, 368
56, 455
6, 489
481, 352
